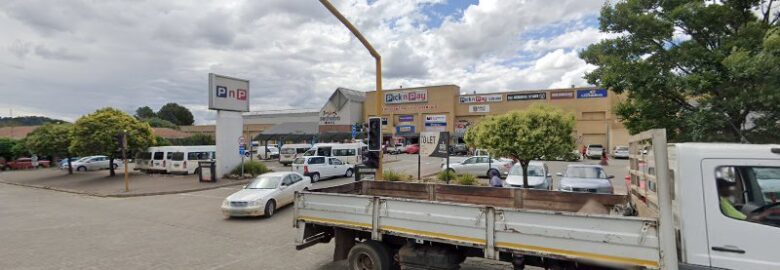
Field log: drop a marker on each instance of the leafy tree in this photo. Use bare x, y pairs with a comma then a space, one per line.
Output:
197, 139
6, 148
704, 70
160, 123
540, 131
176, 114
27, 121
19, 149
96, 133
51, 140
160, 141
144, 112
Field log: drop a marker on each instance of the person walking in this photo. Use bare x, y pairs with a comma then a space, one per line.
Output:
495, 181
603, 158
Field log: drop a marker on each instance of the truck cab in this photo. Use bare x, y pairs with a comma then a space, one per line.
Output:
725, 200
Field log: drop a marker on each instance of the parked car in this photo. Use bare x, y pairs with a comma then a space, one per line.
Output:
412, 149
25, 163
64, 162
92, 163
320, 167
585, 178
266, 193
396, 149
539, 176
459, 149
594, 151
478, 166
620, 152
260, 152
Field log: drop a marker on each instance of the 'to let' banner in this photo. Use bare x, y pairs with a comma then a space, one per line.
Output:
434, 144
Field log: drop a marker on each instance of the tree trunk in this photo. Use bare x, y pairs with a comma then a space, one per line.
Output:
111, 166
524, 164
70, 166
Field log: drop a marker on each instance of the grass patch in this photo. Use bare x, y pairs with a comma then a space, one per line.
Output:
466, 180
444, 175
392, 176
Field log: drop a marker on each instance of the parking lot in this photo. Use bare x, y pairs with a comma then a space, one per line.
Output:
44, 229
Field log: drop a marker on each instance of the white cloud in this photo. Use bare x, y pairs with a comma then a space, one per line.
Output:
67, 58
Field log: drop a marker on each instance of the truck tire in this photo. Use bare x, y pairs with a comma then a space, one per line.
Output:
369, 255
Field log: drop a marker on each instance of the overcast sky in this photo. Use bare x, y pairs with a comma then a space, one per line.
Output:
66, 58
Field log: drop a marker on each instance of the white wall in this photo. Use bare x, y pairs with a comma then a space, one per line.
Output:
229, 129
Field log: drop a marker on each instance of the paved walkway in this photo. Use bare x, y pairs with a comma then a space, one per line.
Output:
99, 183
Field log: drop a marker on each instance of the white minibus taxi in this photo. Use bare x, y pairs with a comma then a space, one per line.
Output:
184, 160
290, 152
351, 153
160, 158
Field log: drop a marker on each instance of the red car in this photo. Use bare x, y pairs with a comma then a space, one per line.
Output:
25, 163
413, 149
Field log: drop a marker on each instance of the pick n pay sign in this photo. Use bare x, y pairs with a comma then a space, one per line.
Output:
228, 94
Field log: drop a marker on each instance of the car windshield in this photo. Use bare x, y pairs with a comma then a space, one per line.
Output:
83, 159
288, 151
265, 182
532, 171
299, 161
622, 148
585, 172
310, 152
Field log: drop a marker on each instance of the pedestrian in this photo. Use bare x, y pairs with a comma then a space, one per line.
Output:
495, 181
603, 158
584, 151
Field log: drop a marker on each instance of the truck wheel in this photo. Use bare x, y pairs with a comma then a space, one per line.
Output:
315, 177
369, 255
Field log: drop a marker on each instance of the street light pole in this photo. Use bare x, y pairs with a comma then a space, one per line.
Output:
377, 58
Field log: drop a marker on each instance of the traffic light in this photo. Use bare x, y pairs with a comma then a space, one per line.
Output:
374, 134
371, 159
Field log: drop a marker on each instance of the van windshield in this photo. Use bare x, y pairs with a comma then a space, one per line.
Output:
176, 156
158, 155
288, 151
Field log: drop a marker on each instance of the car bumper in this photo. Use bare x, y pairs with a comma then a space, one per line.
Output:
250, 211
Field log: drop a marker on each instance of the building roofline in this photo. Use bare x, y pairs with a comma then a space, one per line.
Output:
414, 88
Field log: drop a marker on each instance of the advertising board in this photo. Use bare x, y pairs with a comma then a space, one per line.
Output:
434, 144
479, 108
436, 122
229, 94
526, 96
406, 96
592, 93
481, 98
562, 95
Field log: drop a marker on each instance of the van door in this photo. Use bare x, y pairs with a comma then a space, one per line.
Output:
743, 212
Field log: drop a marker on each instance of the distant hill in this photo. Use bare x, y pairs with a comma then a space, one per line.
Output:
27, 121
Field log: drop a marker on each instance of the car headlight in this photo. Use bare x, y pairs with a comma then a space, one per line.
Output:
225, 203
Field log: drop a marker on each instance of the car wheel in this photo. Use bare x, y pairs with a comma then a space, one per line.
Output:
81, 169
270, 208
349, 173
315, 177
369, 255
491, 172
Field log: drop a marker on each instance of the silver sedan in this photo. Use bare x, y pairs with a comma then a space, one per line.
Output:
585, 178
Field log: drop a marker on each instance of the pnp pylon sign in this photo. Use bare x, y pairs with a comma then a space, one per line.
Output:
227, 93
434, 144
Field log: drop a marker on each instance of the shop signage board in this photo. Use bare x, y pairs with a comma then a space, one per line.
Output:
434, 144
404, 129
228, 94
329, 118
436, 122
562, 95
479, 108
410, 108
526, 96
406, 118
406, 96
481, 98
592, 93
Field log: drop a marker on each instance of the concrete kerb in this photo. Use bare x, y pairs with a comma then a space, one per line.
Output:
120, 195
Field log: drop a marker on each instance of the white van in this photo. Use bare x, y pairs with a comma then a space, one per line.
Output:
351, 153
290, 152
185, 159
142, 159
160, 158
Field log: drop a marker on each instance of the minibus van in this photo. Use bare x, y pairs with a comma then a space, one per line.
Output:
184, 159
143, 159
160, 158
351, 153
290, 152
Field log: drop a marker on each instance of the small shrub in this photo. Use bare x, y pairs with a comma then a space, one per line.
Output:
442, 176
254, 168
392, 176
467, 180
409, 177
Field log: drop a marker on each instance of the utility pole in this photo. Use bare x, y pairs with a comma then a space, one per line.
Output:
377, 58
124, 157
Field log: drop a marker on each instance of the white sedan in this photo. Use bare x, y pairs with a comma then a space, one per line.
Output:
265, 194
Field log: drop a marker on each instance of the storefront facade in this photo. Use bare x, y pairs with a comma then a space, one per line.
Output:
410, 111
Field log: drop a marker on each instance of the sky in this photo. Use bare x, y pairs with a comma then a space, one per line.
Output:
67, 58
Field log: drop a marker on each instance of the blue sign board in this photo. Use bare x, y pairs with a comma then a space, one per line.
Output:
592, 93
404, 129
354, 131
406, 118
241, 150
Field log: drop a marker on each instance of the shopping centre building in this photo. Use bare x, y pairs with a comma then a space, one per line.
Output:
409, 111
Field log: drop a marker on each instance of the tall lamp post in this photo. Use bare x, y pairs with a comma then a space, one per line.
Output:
377, 57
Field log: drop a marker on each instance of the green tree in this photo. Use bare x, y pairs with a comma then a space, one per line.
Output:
144, 112
6, 148
176, 114
51, 140
96, 133
19, 149
197, 139
160, 123
160, 141
704, 70
540, 131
